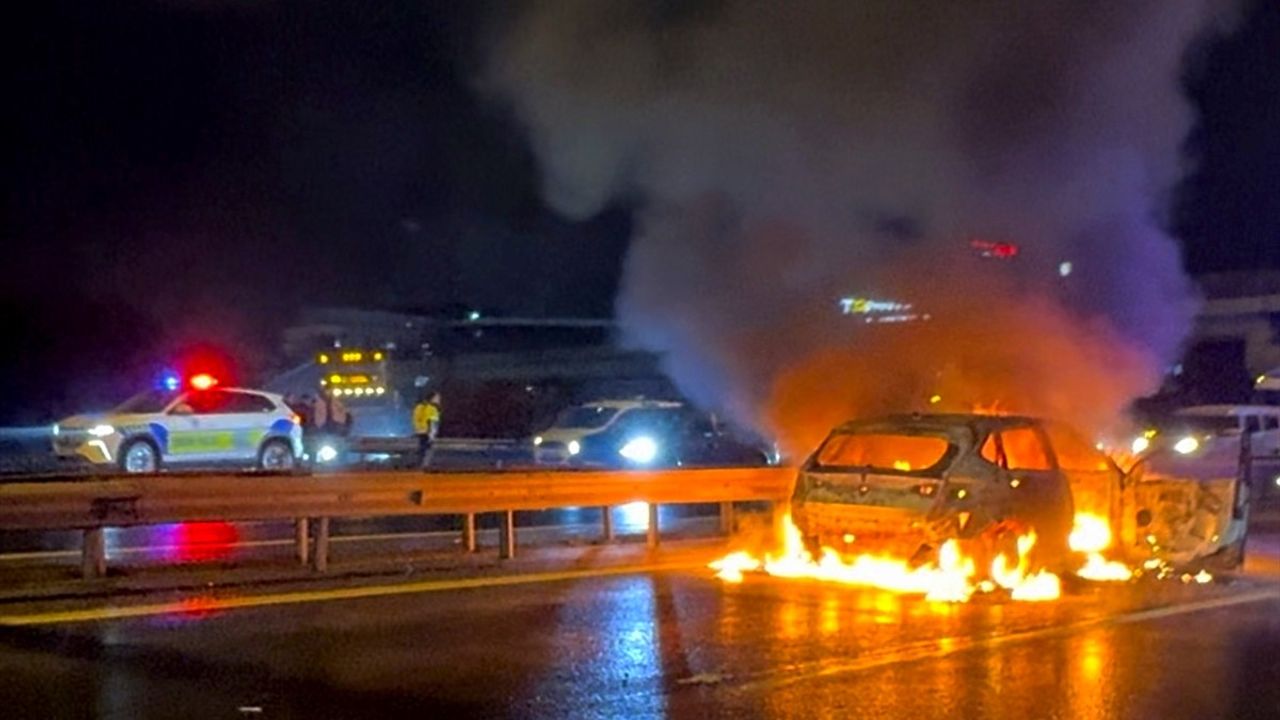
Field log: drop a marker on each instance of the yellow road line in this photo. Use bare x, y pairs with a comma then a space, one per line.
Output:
314, 596
945, 647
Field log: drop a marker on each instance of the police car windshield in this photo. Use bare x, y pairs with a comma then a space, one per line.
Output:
586, 417
150, 401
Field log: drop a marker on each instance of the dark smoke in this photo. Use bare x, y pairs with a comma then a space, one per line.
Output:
787, 154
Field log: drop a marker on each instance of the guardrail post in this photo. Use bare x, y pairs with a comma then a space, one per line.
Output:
726, 518
507, 536
94, 559
469, 532
321, 559
302, 540
607, 522
651, 537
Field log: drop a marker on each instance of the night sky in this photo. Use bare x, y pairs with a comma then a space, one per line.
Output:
197, 170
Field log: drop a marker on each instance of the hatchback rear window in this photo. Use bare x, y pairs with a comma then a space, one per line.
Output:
884, 452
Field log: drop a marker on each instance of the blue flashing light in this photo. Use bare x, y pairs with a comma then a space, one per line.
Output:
170, 381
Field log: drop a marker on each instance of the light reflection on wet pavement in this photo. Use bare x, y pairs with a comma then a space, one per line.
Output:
671, 644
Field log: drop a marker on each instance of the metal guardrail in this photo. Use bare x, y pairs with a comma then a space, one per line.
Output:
91, 506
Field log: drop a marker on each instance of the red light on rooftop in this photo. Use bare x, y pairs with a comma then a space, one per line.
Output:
994, 248
203, 381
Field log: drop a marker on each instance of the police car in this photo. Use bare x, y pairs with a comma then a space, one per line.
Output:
202, 425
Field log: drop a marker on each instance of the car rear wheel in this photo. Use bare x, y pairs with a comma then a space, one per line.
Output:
140, 456
276, 455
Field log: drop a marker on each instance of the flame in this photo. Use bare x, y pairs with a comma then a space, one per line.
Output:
992, 408
1021, 582
1091, 534
952, 578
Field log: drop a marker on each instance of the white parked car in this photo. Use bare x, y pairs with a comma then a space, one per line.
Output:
162, 428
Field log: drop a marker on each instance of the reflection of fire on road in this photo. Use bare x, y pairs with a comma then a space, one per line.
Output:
951, 577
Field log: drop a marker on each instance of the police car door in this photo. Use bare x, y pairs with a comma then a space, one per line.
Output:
176, 431
210, 434
249, 417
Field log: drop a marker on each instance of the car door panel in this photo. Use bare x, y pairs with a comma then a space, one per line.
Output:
1179, 509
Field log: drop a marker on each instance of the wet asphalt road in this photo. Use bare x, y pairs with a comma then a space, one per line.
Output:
667, 644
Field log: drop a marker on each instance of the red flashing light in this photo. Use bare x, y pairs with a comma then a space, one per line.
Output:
203, 381
994, 249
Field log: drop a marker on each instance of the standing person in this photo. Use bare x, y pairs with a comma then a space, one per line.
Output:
319, 412
339, 418
319, 421
426, 424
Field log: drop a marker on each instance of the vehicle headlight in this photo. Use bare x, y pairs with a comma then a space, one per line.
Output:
1140, 444
575, 447
642, 450
537, 440
1186, 445
101, 430
56, 431
326, 453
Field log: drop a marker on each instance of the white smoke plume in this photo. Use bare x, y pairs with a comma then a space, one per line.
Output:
784, 155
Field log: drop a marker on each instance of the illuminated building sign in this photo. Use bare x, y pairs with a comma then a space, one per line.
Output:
873, 310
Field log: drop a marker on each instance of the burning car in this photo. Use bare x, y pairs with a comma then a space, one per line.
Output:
905, 485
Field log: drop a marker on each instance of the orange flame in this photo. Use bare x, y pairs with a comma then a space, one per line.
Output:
950, 579
1091, 535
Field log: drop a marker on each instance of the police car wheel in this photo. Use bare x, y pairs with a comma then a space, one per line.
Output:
140, 456
276, 455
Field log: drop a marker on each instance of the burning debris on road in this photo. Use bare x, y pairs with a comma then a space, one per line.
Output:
951, 577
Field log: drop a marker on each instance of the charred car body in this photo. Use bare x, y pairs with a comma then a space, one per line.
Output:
905, 484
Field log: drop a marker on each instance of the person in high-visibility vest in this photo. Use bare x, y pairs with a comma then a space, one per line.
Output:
426, 424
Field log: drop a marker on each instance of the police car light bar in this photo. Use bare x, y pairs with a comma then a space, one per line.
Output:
203, 381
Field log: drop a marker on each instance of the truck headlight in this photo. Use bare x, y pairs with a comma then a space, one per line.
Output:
575, 447
641, 450
326, 453
1140, 444
101, 430
537, 440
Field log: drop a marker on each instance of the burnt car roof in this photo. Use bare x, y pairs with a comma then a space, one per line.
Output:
978, 422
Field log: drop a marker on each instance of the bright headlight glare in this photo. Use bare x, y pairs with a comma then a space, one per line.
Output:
642, 450
1140, 444
1186, 445
56, 431
326, 453
537, 440
101, 430
575, 447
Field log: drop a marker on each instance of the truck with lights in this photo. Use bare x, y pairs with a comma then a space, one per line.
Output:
357, 376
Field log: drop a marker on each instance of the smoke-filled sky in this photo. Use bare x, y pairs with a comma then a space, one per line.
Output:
198, 169
787, 155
